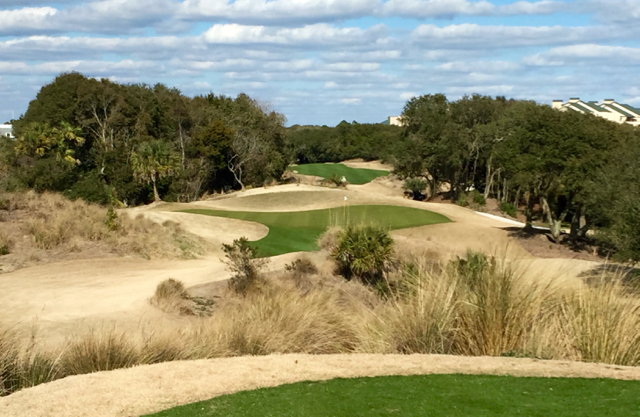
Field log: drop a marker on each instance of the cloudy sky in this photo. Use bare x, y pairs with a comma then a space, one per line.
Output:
323, 61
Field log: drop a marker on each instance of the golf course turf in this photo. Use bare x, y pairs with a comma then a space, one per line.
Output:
428, 396
353, 175
298, 231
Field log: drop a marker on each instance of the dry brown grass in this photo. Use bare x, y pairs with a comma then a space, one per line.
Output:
171, 297
53, 223
602, 324
6, 243
478, 307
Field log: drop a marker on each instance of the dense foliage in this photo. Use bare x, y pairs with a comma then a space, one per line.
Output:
312, 144
108, 142
563, 167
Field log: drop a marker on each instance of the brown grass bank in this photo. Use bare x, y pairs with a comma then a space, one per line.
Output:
48, 227
476, 306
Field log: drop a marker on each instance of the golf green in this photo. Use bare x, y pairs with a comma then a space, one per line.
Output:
428, 395
299, 230
353, 175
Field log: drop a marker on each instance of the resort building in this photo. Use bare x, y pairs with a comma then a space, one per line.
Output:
394, 121
6, 131
608, 109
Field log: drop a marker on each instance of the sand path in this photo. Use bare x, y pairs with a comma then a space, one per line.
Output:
148, 389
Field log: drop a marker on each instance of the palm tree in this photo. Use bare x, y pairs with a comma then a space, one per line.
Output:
364, 252
153, 161
40, 139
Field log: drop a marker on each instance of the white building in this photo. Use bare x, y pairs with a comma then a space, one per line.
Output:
6, 131
608, 109
395, 121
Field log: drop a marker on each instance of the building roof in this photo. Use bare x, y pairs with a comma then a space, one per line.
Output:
596, 106
631, 109
581, 107
621, 110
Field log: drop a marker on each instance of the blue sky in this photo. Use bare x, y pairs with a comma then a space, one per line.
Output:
323, 61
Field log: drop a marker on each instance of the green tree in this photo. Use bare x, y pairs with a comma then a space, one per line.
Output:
42, 140
615, 209
153, 161
551, 157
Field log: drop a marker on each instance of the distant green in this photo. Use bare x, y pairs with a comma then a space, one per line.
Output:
299, 230
428, 396
353, 175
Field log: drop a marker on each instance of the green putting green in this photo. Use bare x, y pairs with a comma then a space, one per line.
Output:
428, 395
353, 175
299, 230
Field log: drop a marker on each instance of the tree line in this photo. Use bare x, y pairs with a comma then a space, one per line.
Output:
131, 144
108, 142
317, 144
564, 168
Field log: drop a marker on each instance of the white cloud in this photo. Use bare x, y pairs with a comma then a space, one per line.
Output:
278, 11
408, 96
436, 8
301, 56
609, 55
318, 34
612, 11
474, 66
474, 36
533, 8
449, 9
491, 90
26, 19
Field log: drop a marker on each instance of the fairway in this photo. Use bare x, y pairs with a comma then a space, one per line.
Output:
353, 175
298, 231
428, 395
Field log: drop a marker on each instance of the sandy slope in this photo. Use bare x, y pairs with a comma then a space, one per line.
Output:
69, 296
147, 389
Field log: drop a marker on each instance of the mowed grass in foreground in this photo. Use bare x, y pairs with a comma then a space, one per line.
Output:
353, 175
428, 395
298, 231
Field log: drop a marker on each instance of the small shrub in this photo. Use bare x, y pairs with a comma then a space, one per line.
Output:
23, 368
112, 221
5, 244
365, 253
91, 188
416, 186
462, 200
9, 364
300, 270
301, 266
329, 239
170, 289
508, 209
337, 180
102, 351
603, 324
241, 260
472, 267
171, 297
478, 198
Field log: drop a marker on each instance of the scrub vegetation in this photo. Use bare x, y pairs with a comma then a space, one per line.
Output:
476, 305
48, 225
